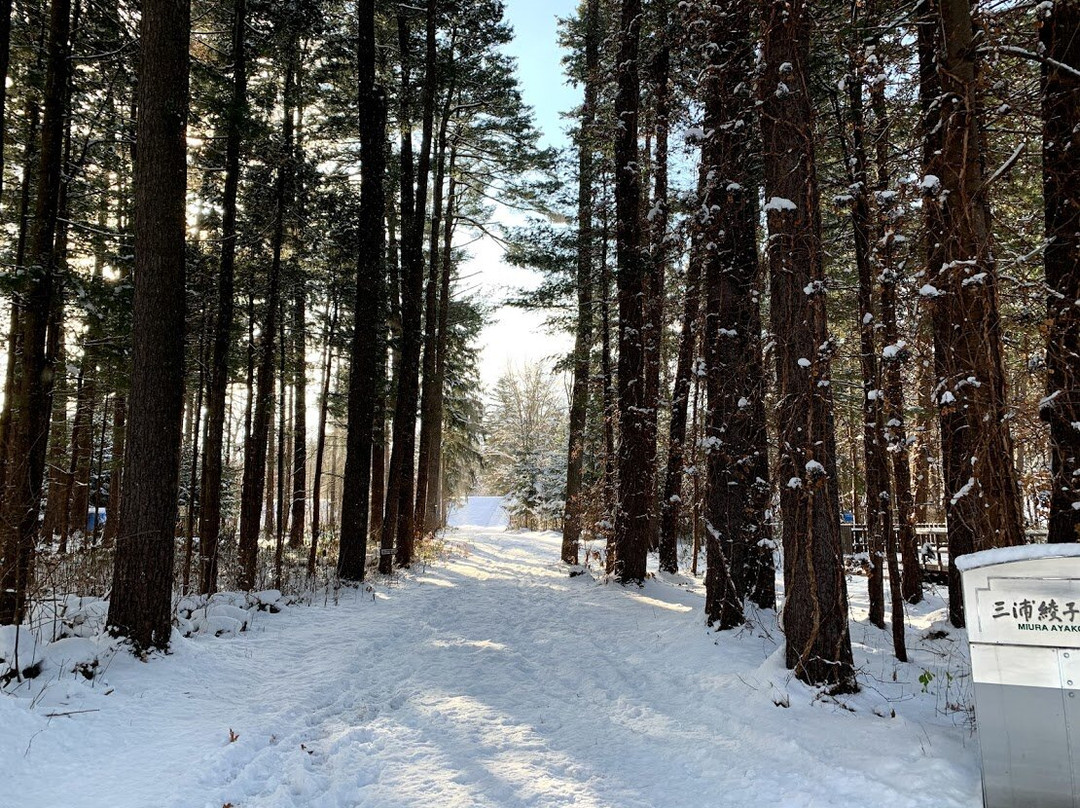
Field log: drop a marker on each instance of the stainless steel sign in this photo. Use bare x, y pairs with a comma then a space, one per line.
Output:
1021, 611
1023, 616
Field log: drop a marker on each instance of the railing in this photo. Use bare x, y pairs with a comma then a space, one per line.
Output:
933, 543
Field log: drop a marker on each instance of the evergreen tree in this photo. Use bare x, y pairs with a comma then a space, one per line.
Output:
141, 604
815, 607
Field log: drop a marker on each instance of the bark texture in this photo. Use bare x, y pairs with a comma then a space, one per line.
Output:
1061, 189
632, 515
26, 427
982, 501
363, 387
140, 606
737, 464
815, 614
210, 491
583, 337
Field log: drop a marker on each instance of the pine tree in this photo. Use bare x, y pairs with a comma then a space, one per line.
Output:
213, 461
632, 516
815, 618
141, 604
256, 448
579, 397
737, 459
370, 272
34, 340
1061, 190
981, 496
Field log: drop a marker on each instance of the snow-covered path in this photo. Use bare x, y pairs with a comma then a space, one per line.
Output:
492, 679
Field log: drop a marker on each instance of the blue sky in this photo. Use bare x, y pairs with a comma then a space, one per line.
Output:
516, 337
539, 61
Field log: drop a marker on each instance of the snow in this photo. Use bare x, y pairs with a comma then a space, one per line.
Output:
965, 489
1025, 552
779, 203
929, 290
487, 512
804, 362
492, 679
1045, 403
893, 351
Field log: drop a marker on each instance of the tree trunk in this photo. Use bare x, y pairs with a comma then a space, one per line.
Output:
736, 491
320, 438
298, 473
255, 450
267, 509
982, 501
299, 454
380, 466
370, 271
15, 332
877, 425
95, 533
579, 396
659, 254
432, 517
671, 506
892, 361
56, 499
387, 322
140, 607
193, 480
878, 490
413, 209
5, 62
632, 515
762, 585
815, 614
213, 461
82, 440
281, 512
429, 396
116, 471
608, 397
26, 432
927, 495
1061, 191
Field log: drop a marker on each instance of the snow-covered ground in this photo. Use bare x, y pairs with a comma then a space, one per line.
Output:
479, 512
494, 679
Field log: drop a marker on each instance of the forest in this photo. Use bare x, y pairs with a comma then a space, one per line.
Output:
820, 262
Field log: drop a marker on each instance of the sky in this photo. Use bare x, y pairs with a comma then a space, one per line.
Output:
517, 337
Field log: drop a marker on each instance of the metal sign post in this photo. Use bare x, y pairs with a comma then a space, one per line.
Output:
1022, 607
